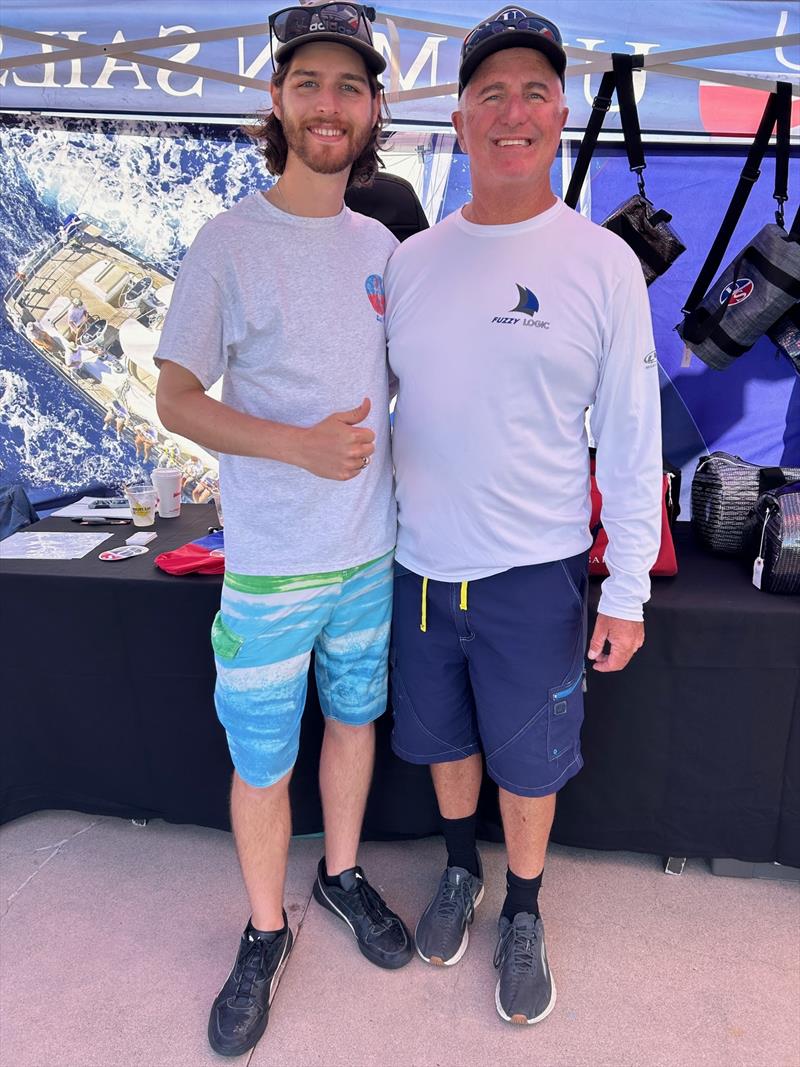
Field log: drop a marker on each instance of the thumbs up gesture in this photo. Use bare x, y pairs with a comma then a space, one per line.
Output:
338, 447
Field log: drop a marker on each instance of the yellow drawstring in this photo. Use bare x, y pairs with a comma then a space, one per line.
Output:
423, 621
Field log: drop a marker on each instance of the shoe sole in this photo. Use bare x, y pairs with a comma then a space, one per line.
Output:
519, 1019
322, 898
273, 989
437, 961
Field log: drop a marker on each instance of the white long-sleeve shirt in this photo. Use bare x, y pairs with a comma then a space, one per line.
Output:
500, 338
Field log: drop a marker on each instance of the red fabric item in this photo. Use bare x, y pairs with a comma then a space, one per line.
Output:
196, 557
666, 563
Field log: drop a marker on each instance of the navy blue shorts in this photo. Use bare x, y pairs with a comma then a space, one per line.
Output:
495, 665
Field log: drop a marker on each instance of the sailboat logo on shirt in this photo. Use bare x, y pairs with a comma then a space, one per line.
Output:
374, 287
527, 303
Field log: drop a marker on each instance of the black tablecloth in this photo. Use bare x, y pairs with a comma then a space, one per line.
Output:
107, 679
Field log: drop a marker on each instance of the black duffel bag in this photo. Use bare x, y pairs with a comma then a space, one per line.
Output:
643, 228
785, 333
762, 282
772, 540
725, 489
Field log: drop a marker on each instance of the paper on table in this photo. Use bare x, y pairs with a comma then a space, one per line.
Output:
50, 545
81, 510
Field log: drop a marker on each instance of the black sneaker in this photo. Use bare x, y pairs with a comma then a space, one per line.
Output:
526, 992
381, 935
442, 933
240, 1013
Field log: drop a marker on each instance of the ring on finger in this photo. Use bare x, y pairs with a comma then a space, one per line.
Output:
364, 462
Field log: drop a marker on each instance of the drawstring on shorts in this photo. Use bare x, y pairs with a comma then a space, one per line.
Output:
423, 619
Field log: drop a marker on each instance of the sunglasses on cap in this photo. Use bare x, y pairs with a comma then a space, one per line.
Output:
349, 20
511, 21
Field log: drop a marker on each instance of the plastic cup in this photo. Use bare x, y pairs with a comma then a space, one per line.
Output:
167, 483
218, 506
142, 498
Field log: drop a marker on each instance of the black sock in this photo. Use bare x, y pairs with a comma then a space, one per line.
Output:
459, 837
522, 894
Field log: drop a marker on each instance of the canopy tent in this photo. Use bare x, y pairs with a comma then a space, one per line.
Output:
712, 57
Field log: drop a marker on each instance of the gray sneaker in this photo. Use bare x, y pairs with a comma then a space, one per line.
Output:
526, 992
442, 933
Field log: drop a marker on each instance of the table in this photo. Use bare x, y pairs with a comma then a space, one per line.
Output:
107, 676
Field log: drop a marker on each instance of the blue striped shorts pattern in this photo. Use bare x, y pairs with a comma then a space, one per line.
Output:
262, 647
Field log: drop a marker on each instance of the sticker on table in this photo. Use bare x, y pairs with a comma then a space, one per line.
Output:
125, 553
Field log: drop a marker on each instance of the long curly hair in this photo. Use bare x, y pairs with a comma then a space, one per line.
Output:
271, 140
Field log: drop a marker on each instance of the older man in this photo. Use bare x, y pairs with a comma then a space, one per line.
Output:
505, 323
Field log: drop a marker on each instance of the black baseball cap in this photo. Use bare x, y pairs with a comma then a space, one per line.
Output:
340, 23
511, 27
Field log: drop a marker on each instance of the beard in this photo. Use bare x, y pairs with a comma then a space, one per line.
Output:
332, 159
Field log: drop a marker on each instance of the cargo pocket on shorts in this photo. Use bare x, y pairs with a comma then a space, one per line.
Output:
564, 716
225, 642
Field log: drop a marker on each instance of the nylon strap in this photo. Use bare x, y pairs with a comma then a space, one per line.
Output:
748, 177
623, 66
784, 122
619, 78
602, 102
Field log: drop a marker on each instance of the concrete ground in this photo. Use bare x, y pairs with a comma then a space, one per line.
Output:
114, 941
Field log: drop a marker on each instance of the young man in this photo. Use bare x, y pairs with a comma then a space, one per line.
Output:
283, 296
505, 322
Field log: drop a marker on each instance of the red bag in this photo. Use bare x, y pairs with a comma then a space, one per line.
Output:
666, 563
204, 556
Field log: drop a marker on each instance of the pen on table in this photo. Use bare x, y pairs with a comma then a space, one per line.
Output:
101, 522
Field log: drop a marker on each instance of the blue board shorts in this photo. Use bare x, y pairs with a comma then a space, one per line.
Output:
495, 665
263, 636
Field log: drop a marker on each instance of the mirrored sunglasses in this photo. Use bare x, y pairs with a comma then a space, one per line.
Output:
523, 22
350, 20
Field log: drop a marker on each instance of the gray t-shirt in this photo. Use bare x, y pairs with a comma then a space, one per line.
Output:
289, 311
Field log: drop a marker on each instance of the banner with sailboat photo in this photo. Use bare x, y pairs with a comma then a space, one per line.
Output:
97, 214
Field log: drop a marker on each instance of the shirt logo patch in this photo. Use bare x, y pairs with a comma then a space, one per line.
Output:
527, 305
377, 297
737, 292
651, 359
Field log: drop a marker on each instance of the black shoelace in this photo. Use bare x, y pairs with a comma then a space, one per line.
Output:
520, 945
454, 899
373, 904
253, 966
